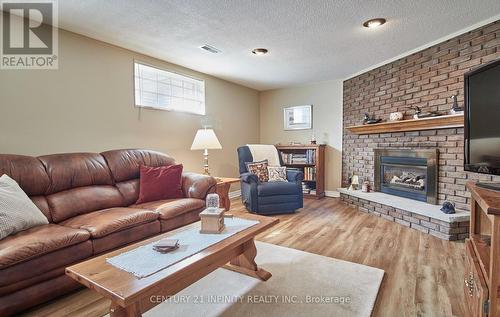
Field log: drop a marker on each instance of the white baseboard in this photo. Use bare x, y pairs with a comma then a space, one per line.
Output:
234, 194
332, 193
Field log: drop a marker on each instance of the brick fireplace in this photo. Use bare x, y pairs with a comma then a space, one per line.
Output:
426, 79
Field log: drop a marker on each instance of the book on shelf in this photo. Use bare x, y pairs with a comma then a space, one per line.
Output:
307, 157
310, 173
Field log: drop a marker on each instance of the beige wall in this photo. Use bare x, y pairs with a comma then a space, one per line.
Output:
88, 105
326, 98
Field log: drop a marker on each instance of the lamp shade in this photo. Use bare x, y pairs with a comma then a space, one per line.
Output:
205, 139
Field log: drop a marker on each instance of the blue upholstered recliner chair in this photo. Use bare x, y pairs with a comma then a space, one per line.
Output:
268, 198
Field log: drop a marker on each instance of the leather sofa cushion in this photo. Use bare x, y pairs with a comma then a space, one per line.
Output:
13, 303
43, 205
180, 221
27, 171
121, 238
172, 208
129, 190
34, 269
38, 241
104, 222
8, 288
124, 164
77, 201
277, 188
73, 170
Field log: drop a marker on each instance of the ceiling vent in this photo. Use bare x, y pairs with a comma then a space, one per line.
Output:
210, 49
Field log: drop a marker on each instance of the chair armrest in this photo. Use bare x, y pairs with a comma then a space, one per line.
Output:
294, 176
249, 178
197, 185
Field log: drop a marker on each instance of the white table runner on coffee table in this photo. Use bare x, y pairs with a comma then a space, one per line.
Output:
144, 261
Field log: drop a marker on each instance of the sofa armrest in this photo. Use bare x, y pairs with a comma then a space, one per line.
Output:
294, 176
197, 185
249, 178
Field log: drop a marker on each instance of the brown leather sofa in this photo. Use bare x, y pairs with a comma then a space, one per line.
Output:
88, 199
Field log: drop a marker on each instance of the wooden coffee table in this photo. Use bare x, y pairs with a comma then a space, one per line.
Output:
131, 296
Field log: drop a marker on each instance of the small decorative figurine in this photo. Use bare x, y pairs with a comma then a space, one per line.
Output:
419, 114
212, 221
395, 116
354, 182
212, 202
313, 138
366, 188
455, 109
448, 207
370, 120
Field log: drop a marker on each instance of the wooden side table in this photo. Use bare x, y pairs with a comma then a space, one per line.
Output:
222, 189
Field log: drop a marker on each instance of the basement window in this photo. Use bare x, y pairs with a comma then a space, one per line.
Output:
160, 89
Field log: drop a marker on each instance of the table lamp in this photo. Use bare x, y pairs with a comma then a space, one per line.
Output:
205, 139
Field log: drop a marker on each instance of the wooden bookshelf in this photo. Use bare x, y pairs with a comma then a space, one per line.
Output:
314, 168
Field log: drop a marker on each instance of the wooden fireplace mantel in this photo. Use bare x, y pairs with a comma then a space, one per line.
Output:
441, 122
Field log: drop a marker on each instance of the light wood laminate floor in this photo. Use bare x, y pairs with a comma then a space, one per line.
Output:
424, 274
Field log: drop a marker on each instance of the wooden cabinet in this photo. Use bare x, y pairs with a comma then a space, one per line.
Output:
482, 272
476, 291
313, 166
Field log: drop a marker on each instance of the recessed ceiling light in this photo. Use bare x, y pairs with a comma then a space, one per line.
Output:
260, 51
373, 23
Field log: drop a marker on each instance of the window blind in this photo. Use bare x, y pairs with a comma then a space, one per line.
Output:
161, 89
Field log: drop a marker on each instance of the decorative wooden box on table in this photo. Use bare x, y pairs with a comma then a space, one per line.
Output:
310, 159
212, 220
482, 272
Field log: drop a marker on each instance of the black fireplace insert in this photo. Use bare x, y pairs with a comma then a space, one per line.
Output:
407, 173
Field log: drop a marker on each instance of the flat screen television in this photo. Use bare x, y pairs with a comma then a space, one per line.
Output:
482, 119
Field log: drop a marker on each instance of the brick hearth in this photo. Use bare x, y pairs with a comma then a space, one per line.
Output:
414, 214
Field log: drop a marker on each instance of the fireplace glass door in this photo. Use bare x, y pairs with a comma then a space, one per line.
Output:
404, 176
407, 173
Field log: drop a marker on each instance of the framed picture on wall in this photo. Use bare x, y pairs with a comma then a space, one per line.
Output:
298, 117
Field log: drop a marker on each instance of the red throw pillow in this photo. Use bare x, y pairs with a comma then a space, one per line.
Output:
156, 183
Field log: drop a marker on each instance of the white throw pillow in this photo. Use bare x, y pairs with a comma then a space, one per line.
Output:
17, 211
277, 173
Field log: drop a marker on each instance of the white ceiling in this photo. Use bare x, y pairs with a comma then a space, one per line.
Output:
308, 40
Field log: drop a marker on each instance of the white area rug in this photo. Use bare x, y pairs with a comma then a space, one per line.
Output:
303, 284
